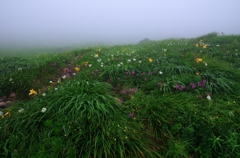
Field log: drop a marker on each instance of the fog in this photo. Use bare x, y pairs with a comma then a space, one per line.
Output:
78, 22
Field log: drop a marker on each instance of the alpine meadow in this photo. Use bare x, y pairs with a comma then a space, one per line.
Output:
171, 98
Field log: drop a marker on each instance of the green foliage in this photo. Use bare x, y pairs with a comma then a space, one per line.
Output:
79, 114
121, 104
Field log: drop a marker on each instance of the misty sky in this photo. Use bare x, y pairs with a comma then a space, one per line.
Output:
63, 22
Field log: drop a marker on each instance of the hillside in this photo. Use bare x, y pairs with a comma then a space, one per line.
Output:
171, 98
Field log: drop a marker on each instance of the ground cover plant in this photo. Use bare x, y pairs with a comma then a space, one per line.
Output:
170, 98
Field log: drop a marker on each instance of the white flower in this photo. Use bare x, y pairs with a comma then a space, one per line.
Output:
101, 65
20, 110
50, 82
74, 74
134, 59
205, 64
121, 63
44, 94
129, 60
1, 113
208, 97
19, 68
160, 72
217, 45
90, 65
118, 65
164, 50
56, 89
64, 76
99, 60
140, 61
43, 110
10, 79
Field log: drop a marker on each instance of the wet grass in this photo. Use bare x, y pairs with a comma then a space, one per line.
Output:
170, 98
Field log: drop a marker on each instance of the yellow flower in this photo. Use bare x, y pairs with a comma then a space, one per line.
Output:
198, 73
150, 60
198, 60
86, 64
132, 52
196, 45
204, 46
77, 69
96, 55
99, 49
7, 113
124, 50
165, 54
32, 92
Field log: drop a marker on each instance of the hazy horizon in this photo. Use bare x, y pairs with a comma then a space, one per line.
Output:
63, 23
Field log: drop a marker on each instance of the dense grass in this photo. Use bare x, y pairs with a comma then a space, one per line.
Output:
169, 98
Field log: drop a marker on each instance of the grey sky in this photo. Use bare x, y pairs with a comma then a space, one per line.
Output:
47, 22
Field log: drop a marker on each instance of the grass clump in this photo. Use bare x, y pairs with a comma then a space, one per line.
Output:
81, 119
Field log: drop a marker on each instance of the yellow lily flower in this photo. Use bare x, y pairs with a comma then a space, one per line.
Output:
196, 45
77, 69
86, 64
198, 60
96, 55
150, 60
204, 46
32, 92
7, 113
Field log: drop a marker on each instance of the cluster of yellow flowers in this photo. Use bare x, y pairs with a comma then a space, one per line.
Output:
201, 44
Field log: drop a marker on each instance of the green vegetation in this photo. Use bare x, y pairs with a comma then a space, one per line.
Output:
172, 98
